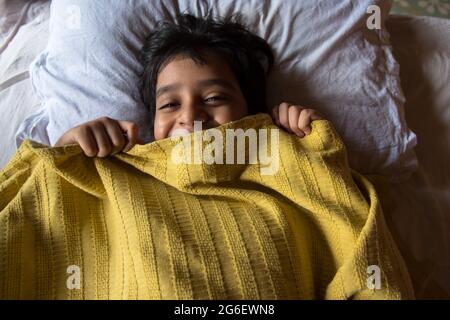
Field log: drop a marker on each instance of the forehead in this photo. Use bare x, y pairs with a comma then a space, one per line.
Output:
183, 69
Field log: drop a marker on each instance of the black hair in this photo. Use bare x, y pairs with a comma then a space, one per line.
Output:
248, 55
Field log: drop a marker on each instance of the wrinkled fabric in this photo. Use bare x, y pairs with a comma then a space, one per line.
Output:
143, 226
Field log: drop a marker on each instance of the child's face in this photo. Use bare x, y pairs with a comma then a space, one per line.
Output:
188, 92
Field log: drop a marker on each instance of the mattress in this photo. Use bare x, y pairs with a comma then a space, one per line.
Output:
417, 210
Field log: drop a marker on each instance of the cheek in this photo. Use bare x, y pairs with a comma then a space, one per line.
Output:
161, 128
231, 113
224, 117
241, 110
244, 109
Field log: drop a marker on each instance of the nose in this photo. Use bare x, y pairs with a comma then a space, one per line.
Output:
191, 112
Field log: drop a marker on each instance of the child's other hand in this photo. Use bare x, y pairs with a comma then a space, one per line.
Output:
102, 137
295, 119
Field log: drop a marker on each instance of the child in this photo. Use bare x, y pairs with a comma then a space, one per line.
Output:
195, 70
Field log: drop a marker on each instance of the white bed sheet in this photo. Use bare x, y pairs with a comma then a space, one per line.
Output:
23, 35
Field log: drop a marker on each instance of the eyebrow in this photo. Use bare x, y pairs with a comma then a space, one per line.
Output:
202, 83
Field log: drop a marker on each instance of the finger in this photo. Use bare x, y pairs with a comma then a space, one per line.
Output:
304, 121
132, 131
316, 116
115, 134
294, 114
283, 115
66, 139
275, 115
103, 142
85, 138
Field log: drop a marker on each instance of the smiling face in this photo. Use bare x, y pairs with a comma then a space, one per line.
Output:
187, 91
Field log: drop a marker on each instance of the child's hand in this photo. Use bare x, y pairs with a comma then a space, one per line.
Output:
295, 119
102, 137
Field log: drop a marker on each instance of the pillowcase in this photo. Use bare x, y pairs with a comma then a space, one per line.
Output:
326, 58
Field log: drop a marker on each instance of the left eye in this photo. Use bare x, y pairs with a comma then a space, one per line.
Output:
213, 99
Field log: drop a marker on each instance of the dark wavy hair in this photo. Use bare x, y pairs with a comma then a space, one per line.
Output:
249, 56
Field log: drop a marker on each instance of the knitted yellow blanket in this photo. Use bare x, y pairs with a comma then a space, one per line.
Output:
140, 225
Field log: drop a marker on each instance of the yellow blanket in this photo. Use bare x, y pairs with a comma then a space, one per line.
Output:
141, 226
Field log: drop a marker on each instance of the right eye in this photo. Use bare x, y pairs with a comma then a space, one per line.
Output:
169, 105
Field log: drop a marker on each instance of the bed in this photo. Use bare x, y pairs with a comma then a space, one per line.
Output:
434, 8
417, 210
421, 44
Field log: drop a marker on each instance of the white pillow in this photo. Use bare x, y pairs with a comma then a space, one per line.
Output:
326, 58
